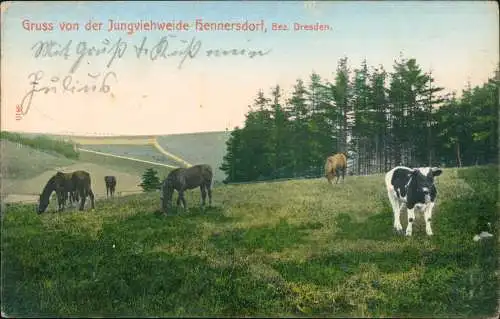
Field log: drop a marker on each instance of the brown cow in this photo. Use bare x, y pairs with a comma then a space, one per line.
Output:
334, 166
182, 179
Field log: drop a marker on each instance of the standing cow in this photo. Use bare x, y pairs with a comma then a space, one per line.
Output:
110, 182
412, 189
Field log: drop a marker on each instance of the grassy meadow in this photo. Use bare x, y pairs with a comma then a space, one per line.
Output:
294, 248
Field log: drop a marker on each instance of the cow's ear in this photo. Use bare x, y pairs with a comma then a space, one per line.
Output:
436, 171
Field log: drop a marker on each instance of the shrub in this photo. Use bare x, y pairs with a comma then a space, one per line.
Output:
150, 180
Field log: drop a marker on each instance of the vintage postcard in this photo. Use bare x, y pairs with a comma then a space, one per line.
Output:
250, 158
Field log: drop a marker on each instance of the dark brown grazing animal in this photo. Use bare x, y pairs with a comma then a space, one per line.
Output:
336, 165
182, 179
66, 191
77, 184
110, 182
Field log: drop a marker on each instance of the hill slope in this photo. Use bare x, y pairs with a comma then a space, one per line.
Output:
26, 170
290, 248
197, 148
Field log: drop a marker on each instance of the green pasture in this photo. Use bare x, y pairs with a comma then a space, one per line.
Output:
294, 248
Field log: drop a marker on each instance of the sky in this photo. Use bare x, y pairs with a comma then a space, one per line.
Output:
458, 41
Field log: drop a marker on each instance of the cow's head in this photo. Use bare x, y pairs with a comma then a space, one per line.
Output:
423, 180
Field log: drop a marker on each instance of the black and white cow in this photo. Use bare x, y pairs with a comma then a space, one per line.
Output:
412, 189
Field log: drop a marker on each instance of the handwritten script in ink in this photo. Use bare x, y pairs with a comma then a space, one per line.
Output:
168, 47
42, 84
153, 50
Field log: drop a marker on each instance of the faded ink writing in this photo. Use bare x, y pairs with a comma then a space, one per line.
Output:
65, 85
51, 49
114, 50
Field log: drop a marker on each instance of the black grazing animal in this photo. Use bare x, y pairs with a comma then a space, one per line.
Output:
182, 179
412, 189
110, 182
77, 184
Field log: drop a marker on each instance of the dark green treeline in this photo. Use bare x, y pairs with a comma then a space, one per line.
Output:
383, 119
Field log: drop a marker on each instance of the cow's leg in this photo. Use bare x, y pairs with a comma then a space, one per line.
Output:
83, 197
91, 195
74, 196
411, 219
337, 173
343, 175
209, 191
203, 195
183, 200
60, 199
65, 198
178, 199
428, 217
396, 209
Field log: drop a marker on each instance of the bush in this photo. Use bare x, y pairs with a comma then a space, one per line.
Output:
150, 180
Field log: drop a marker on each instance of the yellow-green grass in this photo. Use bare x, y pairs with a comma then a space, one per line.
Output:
294, 248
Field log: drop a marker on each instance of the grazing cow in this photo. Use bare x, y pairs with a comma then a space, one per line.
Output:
77, 183
335, 166
110, 182
412, 189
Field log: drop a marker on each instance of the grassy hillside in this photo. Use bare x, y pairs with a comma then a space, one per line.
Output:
20, 161
41, 142
25, 170
295, 248
196, 148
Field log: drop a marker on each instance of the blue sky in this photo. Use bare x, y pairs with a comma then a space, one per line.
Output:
457, 40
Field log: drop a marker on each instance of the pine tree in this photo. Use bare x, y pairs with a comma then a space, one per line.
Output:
150, 180
405, 121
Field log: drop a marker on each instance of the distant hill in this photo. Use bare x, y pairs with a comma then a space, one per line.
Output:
197, 148
144, 152
194, 148
25, 170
